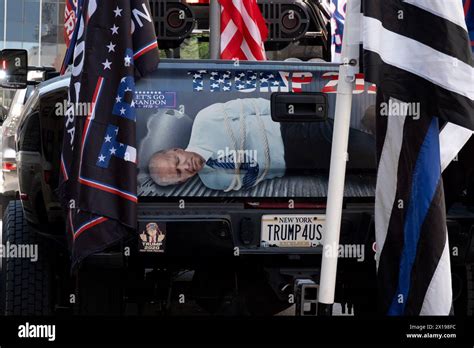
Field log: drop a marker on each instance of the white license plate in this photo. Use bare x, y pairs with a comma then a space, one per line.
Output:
292, 230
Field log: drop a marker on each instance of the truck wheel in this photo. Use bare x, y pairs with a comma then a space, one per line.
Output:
25, 285
470, 289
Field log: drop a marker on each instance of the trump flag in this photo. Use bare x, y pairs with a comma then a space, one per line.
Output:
114, 43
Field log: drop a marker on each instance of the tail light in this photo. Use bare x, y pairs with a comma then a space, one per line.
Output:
8, 166
286, 20
174, 21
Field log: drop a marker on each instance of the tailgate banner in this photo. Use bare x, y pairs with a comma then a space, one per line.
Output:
209, 132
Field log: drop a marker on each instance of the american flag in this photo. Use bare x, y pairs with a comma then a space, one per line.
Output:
69, 20
469, 12
243, 30
115, 43
338, 9
417, 53
72, 14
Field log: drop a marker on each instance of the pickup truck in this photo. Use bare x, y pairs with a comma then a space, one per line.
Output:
226, 243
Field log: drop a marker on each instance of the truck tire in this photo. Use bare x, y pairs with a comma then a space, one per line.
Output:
470, 289
26, 285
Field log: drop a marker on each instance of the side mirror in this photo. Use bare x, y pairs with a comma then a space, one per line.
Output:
13, 69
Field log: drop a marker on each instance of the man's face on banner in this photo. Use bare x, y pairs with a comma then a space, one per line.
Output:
174, 166
152, 232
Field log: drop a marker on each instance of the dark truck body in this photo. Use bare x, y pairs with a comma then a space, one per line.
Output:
213, 234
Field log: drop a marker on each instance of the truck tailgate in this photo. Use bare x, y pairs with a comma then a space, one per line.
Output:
174, 104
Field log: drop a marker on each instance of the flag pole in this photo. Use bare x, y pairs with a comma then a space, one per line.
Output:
337, 171
214, 29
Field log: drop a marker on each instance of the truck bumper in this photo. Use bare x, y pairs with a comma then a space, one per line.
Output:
200, 232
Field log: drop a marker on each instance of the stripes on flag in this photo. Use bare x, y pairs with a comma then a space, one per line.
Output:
243, 30
108, 188
426, 181
445, 9
89, 225
387, 171
151, 46
425, 37
299, 79
416, 52
442, 78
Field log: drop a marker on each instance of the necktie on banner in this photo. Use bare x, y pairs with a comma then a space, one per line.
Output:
249, 166
115, 43
243, 30
417, 53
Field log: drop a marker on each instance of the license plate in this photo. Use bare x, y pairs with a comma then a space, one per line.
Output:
292, 230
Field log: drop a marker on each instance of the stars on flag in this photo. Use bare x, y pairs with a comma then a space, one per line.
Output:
127, 60
111, 47
245, 80
221, 78
111, 147
107, 64
118, 12
114, 29
198, 84
124, 104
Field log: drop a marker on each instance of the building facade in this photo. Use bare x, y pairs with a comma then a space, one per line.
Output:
36, 26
